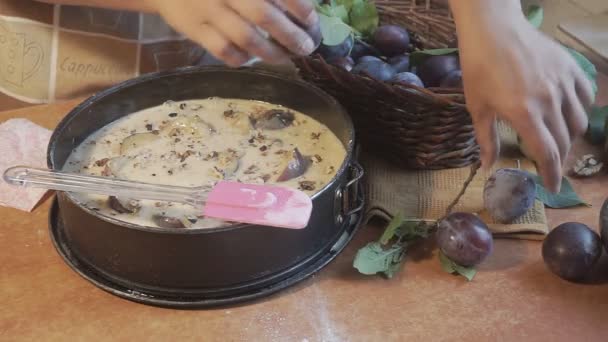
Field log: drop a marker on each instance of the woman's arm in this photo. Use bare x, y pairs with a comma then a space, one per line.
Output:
228, 28
514, 72
130, 5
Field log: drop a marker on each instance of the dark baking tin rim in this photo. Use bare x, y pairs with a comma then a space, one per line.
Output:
294, 275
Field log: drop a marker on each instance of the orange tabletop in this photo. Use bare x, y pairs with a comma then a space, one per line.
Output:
513, 297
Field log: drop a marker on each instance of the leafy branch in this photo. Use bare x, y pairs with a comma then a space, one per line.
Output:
386, 255
341, 18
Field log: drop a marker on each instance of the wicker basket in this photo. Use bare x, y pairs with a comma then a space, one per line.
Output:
416, 128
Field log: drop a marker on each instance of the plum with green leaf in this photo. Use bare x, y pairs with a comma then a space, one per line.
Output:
329, 52
391, 40
465, 239
508, 194
434, 68
376, 69
571, 250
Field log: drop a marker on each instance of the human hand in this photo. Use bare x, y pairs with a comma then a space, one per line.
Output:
513, 72
227, 28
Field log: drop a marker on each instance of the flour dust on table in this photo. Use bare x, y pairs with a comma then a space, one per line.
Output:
198, 143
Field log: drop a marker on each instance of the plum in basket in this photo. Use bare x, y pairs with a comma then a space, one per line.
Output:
368, 59
407, 78
435, 68
330, 52
508, 194
345, 63
391, 40
465, 239
376, 69
452, 80
361, 48
571, 250
400, 63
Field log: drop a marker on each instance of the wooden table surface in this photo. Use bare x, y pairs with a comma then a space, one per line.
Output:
513, 297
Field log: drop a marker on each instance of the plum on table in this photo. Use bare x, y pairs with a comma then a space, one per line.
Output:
508, 194
464, 238
571, 250
604, 224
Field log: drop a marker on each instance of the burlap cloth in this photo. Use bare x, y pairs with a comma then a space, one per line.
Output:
425, 195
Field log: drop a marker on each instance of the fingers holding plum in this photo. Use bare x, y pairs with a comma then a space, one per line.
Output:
244, 34
542, 147
574, 112
582, 88
555, 122
271, 19
486, 134
220, 46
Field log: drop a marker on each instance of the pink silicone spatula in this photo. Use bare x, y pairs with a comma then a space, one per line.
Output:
266, 205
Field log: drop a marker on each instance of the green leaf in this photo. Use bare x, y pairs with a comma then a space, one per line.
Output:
392, 227
333, 10
333, 30
598, 119
336, 8
587, 67
446, 264
364, 17
338, 11
325, 10
410, 231
348, 4
566, 198
418, 57
373, 259
467, 272
535, 15
451, 267
342, 13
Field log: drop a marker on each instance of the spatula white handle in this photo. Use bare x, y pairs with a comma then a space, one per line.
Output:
63, 181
